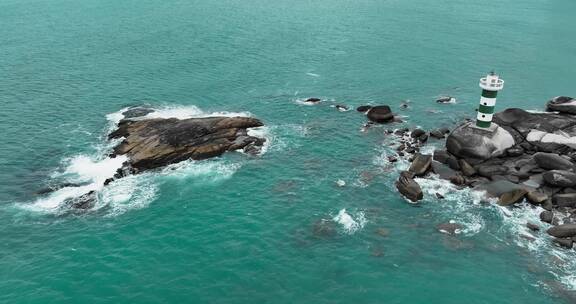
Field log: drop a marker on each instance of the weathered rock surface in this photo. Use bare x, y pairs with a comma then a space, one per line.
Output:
421, 164
563, 231
153, 143
468, 142
560, 178
552, 161
409, 187
562, 104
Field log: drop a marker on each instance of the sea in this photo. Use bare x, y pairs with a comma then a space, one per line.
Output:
316, 217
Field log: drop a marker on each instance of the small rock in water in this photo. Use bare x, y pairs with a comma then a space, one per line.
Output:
409, 188
532, 226
451, 228
392, 159
363, 109
313, 100
340, 183
546, 216
439, 196
562, 104
446, 99
342, 108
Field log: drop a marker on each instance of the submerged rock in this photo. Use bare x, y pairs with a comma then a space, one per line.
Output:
451, 228
154, 143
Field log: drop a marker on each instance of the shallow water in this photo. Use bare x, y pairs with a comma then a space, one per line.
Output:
240, 229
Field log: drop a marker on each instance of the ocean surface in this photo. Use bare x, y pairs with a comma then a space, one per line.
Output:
240, 229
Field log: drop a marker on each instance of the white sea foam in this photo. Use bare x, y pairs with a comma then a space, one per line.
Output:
349, 223
135, 191
82, 170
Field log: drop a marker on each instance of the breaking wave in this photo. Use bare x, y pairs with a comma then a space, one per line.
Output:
84, 173
350, 223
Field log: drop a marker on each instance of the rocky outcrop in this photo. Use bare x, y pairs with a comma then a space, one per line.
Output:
469, 142
562, 104
154, 143
380, 114
408, 187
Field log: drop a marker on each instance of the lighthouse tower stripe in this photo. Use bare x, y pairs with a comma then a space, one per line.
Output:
489, 94
484, 117
487, 101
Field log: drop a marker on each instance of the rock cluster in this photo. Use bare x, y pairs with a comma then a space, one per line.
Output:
525, 156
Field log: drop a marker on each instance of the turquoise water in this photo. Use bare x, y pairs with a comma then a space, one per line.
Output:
239, 229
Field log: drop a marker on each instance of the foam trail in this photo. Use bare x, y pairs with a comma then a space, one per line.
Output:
80, 169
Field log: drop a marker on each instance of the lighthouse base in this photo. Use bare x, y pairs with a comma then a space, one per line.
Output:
489, 130
469, 141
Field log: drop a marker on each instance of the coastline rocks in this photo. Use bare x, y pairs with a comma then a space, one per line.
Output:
450, 228
560, 178
408, 187
552, 161
380, 114
564, 200
563, 231
512, 197
421, 164
469, 142
134, 112
562, 104
154, 143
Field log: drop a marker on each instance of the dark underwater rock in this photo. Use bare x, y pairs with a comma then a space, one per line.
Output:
154, 143
450, 228
324, 229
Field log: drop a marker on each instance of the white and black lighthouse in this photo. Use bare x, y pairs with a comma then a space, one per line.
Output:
490, 85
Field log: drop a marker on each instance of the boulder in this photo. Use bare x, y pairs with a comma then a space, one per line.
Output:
154, 143
491, 170
546, 216
498, 188
380, 114
421, 164
443, 171
552, 161
515, 151
564, 243
560, 178
563, 231
466, 168
536, 197
564, 200
466, 141
409, 188
562, 104
441, 156
512, 197
416, 133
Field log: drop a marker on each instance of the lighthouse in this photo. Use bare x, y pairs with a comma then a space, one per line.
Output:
490, 85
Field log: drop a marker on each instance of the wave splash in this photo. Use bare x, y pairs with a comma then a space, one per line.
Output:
85, 173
